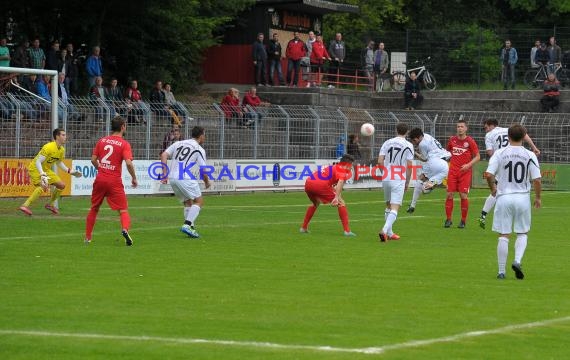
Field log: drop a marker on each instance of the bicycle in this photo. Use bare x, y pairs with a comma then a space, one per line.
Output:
398, 79
534, 78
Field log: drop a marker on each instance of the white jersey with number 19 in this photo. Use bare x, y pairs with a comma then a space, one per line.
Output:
186, 159
514, 167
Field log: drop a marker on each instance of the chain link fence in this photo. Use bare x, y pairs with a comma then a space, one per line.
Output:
272, 132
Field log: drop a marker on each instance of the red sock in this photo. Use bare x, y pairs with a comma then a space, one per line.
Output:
90, 222
448, 208
464, 209
125, 220
309, 215
343, 214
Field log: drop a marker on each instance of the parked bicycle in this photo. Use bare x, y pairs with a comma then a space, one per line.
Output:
534, 78
398, 80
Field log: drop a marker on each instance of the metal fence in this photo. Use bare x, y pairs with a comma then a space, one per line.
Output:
279, 132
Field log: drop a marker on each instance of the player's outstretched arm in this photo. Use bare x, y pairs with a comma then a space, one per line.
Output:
530, 143
63, 167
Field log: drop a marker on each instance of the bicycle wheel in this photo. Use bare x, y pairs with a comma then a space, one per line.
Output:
398, 81
429, 81
530, 79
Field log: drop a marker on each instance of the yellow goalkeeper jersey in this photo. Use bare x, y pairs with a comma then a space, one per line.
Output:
52, 153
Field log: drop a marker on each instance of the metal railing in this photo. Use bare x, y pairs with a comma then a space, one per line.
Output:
277, 132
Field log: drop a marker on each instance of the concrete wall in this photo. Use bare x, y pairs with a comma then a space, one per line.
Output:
519, 101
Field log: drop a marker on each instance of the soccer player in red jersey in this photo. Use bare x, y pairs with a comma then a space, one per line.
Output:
325, 187
108, 156
464, 154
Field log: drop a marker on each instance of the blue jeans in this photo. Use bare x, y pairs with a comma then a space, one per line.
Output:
293, 65
275, 64
509, 76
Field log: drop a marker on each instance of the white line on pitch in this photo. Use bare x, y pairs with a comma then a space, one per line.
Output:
276, 346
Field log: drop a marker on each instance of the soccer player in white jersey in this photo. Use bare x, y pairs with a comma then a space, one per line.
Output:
187, 157
509, 175
496, 137
396, 155
434, 166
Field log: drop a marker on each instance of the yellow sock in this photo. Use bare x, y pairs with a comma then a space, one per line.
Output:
55, 194
35, 195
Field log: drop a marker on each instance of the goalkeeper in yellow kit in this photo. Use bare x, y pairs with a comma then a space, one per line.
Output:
42, 176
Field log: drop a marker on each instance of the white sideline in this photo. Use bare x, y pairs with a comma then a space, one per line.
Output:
255, 344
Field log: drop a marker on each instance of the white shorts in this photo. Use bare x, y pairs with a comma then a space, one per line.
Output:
512, 213
435, 170
185, 189
394, 191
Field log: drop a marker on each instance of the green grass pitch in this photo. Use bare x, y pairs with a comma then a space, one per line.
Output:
253, 287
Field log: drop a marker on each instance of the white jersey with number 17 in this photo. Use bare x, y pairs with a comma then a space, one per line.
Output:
497, 138
514, 167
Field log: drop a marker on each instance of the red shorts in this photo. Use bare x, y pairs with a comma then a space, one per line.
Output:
459, 181
321, 194
113, 190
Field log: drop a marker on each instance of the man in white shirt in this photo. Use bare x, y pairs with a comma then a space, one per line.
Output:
510, 172
187, 158
496, 137
396, 155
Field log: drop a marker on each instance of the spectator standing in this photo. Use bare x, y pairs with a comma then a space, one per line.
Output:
4, 53
94, 66
21, 57
63, 67
509, 59
171, 137
274, 55
412, 96
319, 55
381, 63
52, 56
250, 104
71, 76
296, 49
306, 61
554, 54
337, 51
542, 57
353, 147
367, 60
550, 100
533, 50
37, 55
64, 102
259, 54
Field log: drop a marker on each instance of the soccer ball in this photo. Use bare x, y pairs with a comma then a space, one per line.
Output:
367, 129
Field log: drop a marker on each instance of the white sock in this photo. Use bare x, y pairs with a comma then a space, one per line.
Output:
489, 203
417, 192
520, 247
192, 214
502, 253
186, 209
386, 212
390, 219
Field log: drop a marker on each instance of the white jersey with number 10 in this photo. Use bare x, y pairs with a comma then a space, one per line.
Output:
514, 167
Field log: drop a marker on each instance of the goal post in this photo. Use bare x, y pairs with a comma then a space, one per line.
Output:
54, 84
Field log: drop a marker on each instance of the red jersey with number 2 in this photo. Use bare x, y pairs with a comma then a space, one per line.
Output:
462, 151
111, 151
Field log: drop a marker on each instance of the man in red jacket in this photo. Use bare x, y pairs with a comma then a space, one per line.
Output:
250, 103
318, 57
296, 49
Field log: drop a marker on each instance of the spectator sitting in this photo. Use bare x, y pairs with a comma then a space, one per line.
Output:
550, 100
230, 105
97, 94
114, 95
64, 103
412, 96
136, 108
158, 101
171, 137
179, 108
250, 104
